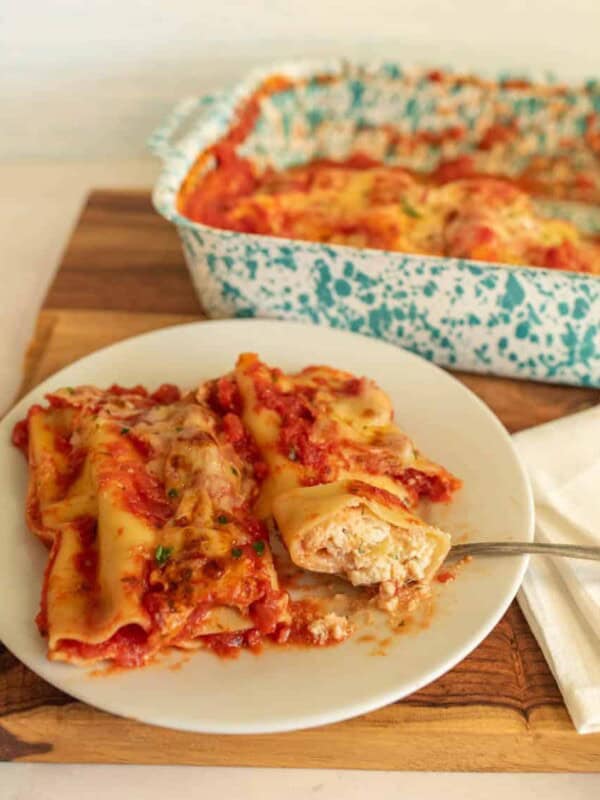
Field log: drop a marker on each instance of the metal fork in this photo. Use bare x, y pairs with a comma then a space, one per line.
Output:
520, 548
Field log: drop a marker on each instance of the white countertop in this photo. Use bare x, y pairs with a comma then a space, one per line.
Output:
39, 203
72, 782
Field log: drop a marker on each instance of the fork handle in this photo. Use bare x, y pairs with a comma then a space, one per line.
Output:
520, 548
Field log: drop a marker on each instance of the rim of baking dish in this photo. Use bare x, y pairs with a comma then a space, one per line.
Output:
218, 111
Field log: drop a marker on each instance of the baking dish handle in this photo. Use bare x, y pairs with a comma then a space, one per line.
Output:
190, 110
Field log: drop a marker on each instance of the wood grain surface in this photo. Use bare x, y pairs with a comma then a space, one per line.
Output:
499, 709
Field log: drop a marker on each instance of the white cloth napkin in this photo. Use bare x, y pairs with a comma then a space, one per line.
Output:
561, 597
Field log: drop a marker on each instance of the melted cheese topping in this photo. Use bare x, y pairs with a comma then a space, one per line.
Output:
386, 207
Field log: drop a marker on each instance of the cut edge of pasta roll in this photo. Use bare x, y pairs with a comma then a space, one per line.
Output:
360, 532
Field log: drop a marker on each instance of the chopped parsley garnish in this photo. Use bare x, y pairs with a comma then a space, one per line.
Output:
411, 211
293, 455
162, 554
173, 492
70, 390
258, 547
222, 519
236, 552
179, 428
234, 471
124, 431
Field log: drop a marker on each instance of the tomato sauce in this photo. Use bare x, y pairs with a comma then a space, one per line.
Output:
297, 419
86, 560
244, 445
33, 511
454, 169
230, 645
266, 613
127, 647
437, 487
141, 446
141, 493
20, 432
498, 134
57, 401
166, 394
138, 390
226, 396
41, 619
74, 458
353, 387
145, 497
20, 436
225, 400
297, 633
233, 177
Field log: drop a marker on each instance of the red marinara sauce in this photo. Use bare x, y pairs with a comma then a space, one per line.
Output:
166, 394
20, 436
86, 560
233, 177
230, 645
142, 493
127, 647
74, 458
296, 424
20, 432
141, 391
41, 619
225, 400
438, 487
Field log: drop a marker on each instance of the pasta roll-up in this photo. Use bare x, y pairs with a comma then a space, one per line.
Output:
343, 479
359, 531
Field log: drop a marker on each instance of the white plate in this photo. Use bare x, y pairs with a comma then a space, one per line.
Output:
286, 689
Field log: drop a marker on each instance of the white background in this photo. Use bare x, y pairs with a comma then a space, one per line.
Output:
90, 79
82, 84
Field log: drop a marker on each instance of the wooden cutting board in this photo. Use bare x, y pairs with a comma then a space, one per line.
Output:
122, 274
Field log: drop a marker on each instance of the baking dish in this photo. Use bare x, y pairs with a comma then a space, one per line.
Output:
521, 322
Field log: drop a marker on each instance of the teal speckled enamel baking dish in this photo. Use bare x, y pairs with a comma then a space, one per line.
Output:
523, 322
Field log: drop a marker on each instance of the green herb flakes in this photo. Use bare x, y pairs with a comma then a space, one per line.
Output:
162, 554
236, 552
258, 547
409, 210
